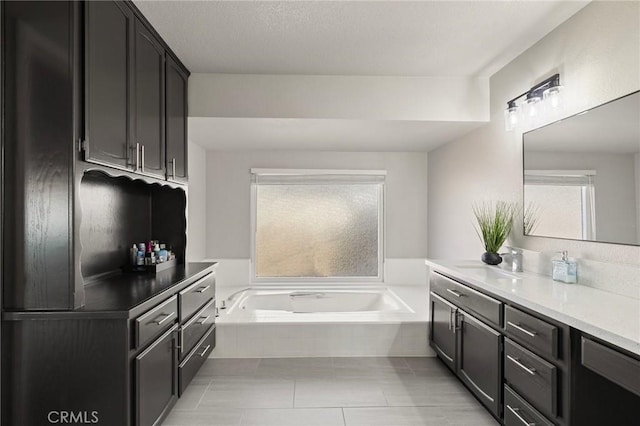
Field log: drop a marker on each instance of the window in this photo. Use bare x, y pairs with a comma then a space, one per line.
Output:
317, 225
566, 199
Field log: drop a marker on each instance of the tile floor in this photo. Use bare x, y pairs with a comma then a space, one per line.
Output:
327, 392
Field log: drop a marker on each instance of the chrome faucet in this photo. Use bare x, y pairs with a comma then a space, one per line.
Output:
516, 259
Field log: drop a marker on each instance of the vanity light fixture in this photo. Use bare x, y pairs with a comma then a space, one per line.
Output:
542, 99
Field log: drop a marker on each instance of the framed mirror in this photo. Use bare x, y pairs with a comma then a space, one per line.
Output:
582, 175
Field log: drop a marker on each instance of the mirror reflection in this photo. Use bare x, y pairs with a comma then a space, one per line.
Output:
582, 175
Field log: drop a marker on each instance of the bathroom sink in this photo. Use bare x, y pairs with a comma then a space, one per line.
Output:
490, 272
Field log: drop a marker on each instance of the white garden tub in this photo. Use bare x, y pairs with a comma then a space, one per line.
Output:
305, 320
309, 300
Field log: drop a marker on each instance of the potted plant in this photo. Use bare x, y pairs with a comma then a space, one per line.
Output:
495, 220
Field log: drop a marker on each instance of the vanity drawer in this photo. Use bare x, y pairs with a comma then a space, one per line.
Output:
612, 365
196, 327
155, 321
190, 366
467, 298
194, 297
532, 332
517, 412
531, 376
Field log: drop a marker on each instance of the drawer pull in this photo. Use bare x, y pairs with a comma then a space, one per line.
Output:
201, 354
517, 362
516, 413
203, 289
166, 317
455, 293
202, 320
519, 328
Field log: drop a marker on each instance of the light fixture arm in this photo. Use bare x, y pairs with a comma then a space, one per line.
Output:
552, 81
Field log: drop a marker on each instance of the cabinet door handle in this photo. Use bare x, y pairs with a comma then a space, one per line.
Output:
202, 320
173, 168
455, 293
204, 351
142, 155
137, 157
519, 328
515, 413
203, 289
166, 317
517, 362
453, 319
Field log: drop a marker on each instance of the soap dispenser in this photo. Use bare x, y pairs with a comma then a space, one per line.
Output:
565, 269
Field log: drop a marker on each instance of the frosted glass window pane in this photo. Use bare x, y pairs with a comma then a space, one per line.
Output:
562, 213
318, 230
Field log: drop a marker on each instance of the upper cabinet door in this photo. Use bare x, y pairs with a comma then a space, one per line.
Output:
149, 102
108, 67
176, 98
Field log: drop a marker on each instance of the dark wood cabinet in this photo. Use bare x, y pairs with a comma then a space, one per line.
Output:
514, 382
443, 330
88, 361
135, 95
176, 126
156, 379
480, 361
83, 82
148, 85
38, 126
109, 28
467, 345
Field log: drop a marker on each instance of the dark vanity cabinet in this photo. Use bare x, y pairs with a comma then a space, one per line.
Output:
606, 382
176, 100
470, 346
108, 60
443, 329
515, 362
480, 363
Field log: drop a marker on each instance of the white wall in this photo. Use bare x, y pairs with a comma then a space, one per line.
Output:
637, 169
597, 52
335, 96
196, 203
228, 195
615, 188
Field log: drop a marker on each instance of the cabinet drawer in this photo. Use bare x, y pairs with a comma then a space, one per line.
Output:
532, 377
532, 332
467, 298
195, 296
190, 366
517, 412
155, 321
612, 365
197, 326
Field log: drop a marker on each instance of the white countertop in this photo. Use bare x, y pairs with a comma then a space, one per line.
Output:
607, 316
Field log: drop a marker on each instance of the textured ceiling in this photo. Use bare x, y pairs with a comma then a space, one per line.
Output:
428, 38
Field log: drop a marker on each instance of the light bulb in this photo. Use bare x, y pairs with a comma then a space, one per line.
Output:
511, 117
553, 99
